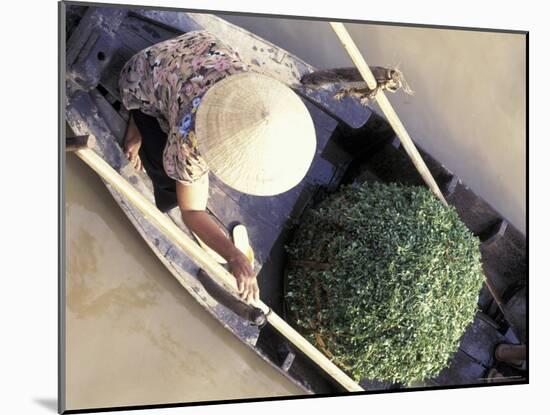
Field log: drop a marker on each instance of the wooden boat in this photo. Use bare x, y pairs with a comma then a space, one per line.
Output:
353, 143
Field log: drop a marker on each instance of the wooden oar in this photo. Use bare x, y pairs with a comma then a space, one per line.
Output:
207, 263
387, 108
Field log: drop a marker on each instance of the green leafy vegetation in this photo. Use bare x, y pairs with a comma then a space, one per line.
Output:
384, 280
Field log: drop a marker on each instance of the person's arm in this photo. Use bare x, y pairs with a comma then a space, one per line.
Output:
132, 143
192, 203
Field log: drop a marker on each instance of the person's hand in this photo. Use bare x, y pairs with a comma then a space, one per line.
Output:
247, 284
132, 144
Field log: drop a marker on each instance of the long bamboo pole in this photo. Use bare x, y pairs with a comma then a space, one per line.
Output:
203, 260
387, 108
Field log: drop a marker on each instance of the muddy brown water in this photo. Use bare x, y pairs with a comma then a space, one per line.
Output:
134, 336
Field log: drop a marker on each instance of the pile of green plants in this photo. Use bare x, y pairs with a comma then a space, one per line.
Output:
384, 280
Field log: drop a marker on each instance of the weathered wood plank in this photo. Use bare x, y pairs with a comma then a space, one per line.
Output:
504, 263
79, 142
183, 22
113, 120
517, 309
261, 234
84, 118
347, 110
73, 15
462, 370
92, 44
149, 31
130, 38
494, 232
109, 77
133, 35
480, 339
474, 211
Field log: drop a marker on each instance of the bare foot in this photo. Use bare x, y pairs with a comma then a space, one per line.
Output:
132, 144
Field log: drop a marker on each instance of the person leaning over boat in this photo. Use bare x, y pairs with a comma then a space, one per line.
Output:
196, 107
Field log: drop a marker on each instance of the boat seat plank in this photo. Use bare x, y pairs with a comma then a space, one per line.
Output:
91, 45
477, 214
347, 110
148, 30
261, 234
109, 77
96, 21
300, 368
494, 232
113, 120
84, 117
129, 38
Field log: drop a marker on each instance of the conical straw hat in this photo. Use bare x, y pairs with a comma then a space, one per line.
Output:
255, 134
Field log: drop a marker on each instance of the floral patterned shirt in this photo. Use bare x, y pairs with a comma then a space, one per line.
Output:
167, 81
